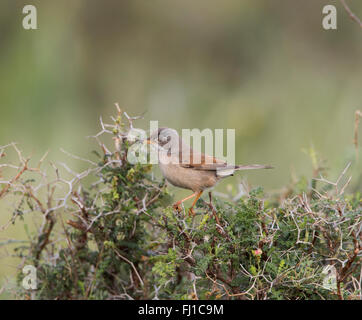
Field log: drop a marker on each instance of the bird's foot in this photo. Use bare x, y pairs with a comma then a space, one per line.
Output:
177, 207
191, 212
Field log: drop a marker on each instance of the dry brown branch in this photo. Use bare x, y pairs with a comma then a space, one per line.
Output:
351, 14
7, 187
339, 190
131, 264
358, 115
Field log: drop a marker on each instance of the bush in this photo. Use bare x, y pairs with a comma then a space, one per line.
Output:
122, 240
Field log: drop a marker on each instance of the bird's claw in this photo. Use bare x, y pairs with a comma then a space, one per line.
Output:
191, 212
177, 207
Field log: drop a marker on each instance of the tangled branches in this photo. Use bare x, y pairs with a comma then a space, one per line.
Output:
108, 232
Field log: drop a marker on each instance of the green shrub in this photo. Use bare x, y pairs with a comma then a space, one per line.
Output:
122, 240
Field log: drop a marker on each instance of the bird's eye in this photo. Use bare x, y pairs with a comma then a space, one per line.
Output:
164, 139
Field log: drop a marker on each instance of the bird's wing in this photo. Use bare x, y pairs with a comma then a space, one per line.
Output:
201, 161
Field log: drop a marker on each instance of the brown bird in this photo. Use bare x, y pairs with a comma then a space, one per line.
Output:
186, 168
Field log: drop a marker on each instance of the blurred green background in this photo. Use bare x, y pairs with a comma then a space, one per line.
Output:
266, 68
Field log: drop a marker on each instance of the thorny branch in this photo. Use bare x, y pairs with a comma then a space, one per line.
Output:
351, 14
358, 115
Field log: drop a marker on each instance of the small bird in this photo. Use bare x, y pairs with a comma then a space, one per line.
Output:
186, 168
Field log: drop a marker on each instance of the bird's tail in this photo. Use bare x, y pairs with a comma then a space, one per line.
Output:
230, 170
253, 166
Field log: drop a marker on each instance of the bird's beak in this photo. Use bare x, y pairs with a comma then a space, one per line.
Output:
148, 141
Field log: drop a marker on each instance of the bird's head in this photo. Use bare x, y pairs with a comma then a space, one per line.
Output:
163, 136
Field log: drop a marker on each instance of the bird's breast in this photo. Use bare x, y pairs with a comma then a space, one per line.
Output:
188, 178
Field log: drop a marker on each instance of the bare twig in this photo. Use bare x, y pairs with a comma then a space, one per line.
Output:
358, 115
131, 264
351, 14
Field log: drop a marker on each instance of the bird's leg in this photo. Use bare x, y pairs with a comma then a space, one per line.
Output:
213, 209
177, 204
191, 210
